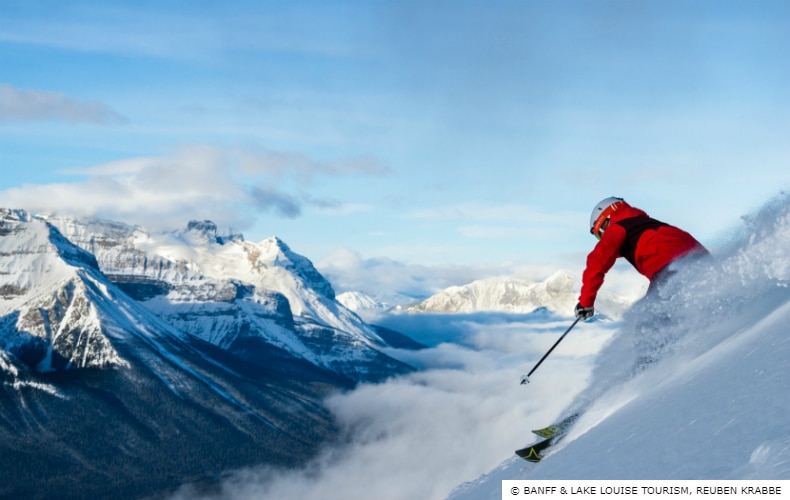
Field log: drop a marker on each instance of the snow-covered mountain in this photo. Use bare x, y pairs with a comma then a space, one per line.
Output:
52, 295
239, 295
359, 301
100, 395
712, 403
131, 363
370, 308
513, 295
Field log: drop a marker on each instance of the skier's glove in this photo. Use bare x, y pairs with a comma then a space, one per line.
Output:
584, 312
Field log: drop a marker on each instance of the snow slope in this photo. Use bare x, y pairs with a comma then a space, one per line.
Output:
359, 301
713, 404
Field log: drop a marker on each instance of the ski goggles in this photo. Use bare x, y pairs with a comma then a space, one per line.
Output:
599, 233
601, 222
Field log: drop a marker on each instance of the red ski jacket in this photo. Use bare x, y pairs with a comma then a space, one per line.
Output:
649, 245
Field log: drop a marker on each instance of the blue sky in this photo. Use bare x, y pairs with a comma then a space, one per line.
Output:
469, 135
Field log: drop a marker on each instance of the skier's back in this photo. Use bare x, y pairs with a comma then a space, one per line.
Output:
648, 244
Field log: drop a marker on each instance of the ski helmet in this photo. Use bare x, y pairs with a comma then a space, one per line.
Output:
602, 211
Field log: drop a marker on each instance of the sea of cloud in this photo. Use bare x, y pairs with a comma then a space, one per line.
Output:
461, 414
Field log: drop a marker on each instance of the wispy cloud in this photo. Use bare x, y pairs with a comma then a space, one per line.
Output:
172, 33
491, 211
495, 221
254, 161
348, 270
232, 186
270, 198
488, 232
32, 105
636, 176
114, 29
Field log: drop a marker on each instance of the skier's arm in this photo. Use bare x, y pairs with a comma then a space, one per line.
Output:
599, 261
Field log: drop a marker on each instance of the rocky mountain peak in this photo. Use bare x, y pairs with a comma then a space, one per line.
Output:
276, 253
207, 231
32, 236
206, 227
12, 214
50, 291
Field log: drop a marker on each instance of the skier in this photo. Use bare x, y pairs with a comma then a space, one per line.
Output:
655, 249
648, 244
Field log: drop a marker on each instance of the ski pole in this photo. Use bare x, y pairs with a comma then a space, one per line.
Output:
525, 378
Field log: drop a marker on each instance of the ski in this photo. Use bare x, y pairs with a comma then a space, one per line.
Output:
549, 432
532, 453
550, 435
558, 429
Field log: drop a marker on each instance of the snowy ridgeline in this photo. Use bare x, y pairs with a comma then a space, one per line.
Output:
712, 404
218, 288
558, 293
505, 295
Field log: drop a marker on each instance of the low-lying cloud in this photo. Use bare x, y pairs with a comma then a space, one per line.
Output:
421, 435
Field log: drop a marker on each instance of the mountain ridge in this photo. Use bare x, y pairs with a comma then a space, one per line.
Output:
223, 288
111, 396
557, 293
